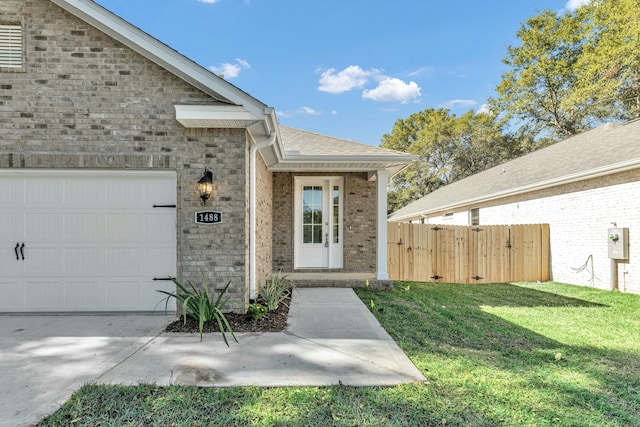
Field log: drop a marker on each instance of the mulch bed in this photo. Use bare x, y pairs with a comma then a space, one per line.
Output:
272, 321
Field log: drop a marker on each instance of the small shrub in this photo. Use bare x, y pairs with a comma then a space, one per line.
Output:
275, 291
202, 305
257, 311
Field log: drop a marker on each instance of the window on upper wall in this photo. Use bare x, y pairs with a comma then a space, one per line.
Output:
474, 216
448, 215
11, 47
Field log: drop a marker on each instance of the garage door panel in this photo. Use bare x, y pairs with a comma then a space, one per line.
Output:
11, 268
84, 227
121, 194
43, 260
122, 260
122, 294
86, 193
43, 192
122, 227
86, 261
43, 227
159, 228
93, 241
44, 296
12, 296
11, 193
158, 261
83, 296
11, 229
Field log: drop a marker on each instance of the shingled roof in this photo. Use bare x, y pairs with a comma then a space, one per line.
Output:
604, 150
305, 150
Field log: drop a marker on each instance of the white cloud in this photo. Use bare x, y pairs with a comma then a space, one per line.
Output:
309, 111
454, 103
243, 63
350, 78
574, 4
208, 1
422, 71
393, 89
230, 71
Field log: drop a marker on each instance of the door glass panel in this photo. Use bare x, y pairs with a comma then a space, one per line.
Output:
336, 214
308, 232
312, 214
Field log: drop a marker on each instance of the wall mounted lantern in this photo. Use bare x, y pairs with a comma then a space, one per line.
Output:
205, 185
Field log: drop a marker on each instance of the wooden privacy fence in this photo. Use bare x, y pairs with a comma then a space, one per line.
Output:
475, 254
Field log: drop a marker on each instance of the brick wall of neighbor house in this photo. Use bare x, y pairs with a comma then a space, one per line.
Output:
87, 101
264, 218
359, 221
579, 215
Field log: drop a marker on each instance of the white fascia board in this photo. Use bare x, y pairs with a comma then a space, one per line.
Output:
353, 158
160, 53
214, 112
567, 179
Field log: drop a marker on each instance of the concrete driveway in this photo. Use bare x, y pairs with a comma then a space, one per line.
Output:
331, 338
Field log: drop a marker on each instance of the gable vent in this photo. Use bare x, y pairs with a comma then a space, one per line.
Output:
11, 45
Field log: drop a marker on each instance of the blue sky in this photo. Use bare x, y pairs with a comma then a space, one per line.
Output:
345, 68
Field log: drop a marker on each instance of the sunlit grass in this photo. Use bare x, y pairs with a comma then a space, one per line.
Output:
499, 354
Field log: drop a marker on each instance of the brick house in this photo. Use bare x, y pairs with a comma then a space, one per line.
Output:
105, 133
582, 187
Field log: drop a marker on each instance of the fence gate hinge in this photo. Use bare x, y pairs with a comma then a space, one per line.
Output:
477, 278
436, 277
436, 228
477, 230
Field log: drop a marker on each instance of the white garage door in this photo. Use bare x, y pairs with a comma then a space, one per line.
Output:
86, 240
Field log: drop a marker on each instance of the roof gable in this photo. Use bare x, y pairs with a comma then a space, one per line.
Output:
607, 149
151, 48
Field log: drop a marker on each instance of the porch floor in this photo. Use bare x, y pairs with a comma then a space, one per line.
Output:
336, 280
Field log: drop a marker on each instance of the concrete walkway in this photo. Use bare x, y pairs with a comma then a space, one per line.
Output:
332, 338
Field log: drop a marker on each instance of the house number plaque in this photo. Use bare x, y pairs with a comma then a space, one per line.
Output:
208, 217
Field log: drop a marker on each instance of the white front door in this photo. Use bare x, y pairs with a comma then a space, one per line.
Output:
86, 240
318, 222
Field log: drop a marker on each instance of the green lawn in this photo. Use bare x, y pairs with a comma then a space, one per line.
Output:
498, 354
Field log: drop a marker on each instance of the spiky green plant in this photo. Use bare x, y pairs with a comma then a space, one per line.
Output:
202, 305
275, 291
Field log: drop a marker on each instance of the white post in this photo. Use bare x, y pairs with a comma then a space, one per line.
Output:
381, 235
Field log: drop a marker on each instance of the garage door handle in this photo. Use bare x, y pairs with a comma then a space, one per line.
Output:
22, 251
16, 249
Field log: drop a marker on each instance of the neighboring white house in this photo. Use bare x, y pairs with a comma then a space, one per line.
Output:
581, 186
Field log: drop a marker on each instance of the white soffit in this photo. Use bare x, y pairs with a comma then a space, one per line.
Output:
215, 116
344, 164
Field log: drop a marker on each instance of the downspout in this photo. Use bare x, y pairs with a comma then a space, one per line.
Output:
252, 211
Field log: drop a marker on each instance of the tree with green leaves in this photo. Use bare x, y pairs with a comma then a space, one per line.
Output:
609, 64
537, 91
449, 148
573, 71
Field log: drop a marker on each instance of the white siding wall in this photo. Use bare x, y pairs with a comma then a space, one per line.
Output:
458, 218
